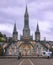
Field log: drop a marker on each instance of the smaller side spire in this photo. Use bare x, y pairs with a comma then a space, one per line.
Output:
15, 33
37, 29
37, 33
15, 28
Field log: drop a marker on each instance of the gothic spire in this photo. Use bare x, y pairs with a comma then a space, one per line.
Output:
15, 28
37, 29
15, 33
26, 11
26, 18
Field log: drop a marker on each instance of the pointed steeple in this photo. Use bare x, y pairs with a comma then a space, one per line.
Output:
26, 29
26, 11
37, 29
37, 33
26, 18
15, 28
15, 33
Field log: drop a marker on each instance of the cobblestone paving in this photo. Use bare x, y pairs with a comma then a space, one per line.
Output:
26, 62
42, 61
7, 62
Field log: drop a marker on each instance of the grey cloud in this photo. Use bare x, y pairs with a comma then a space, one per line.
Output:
11, 3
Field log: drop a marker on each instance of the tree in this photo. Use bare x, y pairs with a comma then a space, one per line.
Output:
1, 51
0, 39
51, 49
4, 36
1, 34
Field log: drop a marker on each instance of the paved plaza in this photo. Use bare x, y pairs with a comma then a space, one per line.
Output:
26, 61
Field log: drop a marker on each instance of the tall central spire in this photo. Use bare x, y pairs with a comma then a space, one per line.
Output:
26, 29
26, 11
26, 18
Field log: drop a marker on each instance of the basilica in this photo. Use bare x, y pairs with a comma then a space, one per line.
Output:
26, 45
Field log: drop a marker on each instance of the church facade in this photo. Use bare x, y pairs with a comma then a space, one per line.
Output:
26, 45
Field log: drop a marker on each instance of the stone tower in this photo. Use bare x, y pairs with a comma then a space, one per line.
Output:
37, 33
15, 33
26, 29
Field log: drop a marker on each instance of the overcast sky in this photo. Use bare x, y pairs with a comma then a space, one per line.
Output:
40, 11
